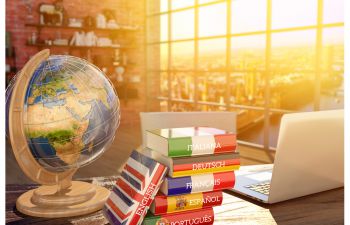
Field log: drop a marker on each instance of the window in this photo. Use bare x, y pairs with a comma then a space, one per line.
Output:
259, 58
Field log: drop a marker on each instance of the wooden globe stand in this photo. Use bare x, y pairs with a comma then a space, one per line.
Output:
59, 196
48, 201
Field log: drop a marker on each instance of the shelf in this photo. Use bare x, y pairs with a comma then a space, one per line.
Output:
80, 28
77, 47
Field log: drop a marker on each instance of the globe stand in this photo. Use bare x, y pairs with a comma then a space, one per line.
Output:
59, 196
51, 202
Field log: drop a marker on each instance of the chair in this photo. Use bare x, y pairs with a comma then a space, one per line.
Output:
158, 120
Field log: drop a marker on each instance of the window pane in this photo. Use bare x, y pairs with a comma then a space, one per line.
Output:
293, 51
292, 79
333, 11
212, 54
250, 125
246, 18
248, 52
212, 87
182, 55
247, 88
293, 13
207, 107
163, 106
333, 49
334, 98
163, 5
163, 27
163, 56
182, 85
178, 4
292, 90
182, 107
212, 20
332, 86
182, 25
163, 85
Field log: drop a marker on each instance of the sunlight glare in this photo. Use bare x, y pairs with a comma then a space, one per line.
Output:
212, 20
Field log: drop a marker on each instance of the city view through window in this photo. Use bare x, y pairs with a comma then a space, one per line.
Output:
259, 58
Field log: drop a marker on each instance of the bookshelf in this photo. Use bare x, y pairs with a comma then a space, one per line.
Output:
79, 47
123, 28
96, 54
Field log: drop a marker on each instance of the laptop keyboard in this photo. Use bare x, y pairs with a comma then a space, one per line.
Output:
262, 188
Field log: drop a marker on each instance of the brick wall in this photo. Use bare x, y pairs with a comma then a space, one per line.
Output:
126, 12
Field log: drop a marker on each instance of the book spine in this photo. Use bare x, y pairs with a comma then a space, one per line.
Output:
149, 195
201, 145
171, 204
198, 217
205, 167
129, 200
199, 183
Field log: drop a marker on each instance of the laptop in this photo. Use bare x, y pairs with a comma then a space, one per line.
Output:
309, 159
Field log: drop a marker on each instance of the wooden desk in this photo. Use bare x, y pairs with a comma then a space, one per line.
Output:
322, 208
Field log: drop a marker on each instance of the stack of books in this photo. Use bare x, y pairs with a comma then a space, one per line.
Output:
201, 162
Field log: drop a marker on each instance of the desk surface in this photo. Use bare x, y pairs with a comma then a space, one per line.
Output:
322, 208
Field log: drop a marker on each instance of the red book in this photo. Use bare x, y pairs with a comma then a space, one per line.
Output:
194, 165
171, 204
198, 217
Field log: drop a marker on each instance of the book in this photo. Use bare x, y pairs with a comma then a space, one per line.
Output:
189, 141
198, 217
187, 166
198, 183
171, 204
135, 189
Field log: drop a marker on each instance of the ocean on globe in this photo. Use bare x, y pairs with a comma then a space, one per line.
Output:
71, 112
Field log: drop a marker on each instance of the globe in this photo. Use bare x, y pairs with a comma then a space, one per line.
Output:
62, 114
71, 113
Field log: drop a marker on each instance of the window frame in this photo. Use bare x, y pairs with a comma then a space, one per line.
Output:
318, 27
